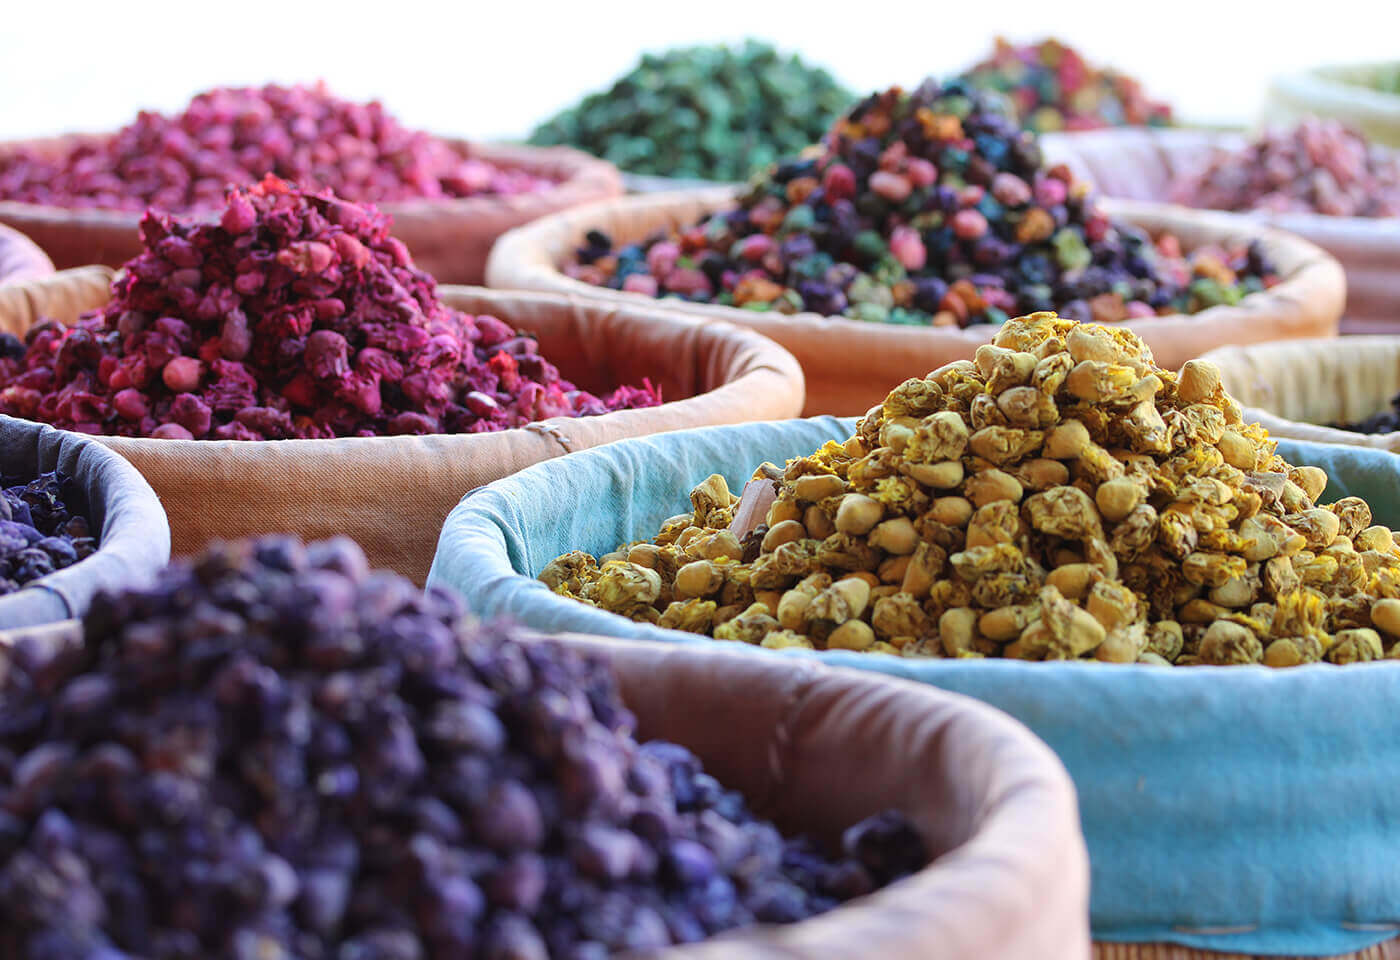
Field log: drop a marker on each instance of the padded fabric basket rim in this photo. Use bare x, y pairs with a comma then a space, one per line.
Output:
133, 535
1279, 383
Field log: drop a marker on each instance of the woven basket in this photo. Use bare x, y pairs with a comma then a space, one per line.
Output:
133, 537
1293, 388
851, 366
1142, 165
390, 494
816, 750
1205, 792
448, 238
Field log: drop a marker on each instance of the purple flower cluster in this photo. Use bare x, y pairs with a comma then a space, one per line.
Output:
276, 753
294, 315
233, 136
41, 530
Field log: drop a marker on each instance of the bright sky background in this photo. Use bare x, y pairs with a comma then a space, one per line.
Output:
494, 69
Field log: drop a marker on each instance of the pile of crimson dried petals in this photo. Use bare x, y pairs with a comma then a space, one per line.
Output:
234, 135
295, 315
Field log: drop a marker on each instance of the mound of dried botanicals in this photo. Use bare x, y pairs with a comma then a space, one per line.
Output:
924, 208
1054, 88
1319, 166
1059, 497
41, 530
233, 136
710, 113
295, 315
276, 753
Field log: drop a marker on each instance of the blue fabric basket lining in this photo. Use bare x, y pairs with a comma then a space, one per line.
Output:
1237, 809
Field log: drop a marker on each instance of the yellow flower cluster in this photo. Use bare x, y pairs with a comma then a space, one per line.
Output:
1058, 497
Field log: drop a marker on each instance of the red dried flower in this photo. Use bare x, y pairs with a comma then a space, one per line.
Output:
307, 320
229, 136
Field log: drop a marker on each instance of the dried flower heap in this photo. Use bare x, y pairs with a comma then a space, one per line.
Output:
275, 752
294, 315
233, 135
1058, 497
928, 207
41, 530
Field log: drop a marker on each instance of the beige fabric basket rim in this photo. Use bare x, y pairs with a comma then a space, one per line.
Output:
1280, 426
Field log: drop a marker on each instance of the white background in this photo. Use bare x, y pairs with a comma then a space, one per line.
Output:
494, 69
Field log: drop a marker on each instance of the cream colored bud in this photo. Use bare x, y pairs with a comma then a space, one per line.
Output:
858, 514
786, 532
1198, 380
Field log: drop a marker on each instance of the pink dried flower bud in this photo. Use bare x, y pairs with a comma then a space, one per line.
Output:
839, 182
1096, 226
235, 339
399, 252
908, 248
351, 251
756, 247
493, 331
182, 375
921, 172
661, 259
412, 422
481, 404
1010, 190
361, 390
191, 413
688, 282
239, 216
1050, 191
642, 283
326, 353
131, 322
969, 224
180, 252
130, 404
893, 187
306, 257
171, 431
249, 284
